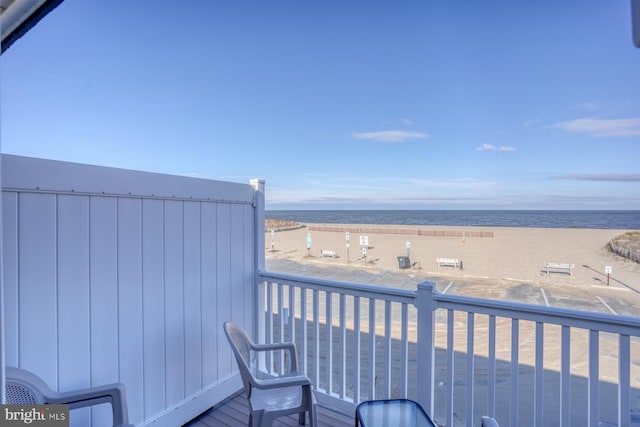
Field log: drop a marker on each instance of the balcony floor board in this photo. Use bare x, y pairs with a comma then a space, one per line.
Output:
235, 411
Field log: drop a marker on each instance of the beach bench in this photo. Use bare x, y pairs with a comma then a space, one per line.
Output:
328, 253
558, 267
449, 262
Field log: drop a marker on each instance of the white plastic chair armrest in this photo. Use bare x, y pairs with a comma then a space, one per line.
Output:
111, 393
275, 346
284, 381
280, 346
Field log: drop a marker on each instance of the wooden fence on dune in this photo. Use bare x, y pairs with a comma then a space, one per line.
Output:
403, 231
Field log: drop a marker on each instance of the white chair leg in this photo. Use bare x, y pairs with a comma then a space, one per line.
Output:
313, 415
256, 418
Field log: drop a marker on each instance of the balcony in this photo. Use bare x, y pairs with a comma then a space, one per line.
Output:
112, 275
460, 357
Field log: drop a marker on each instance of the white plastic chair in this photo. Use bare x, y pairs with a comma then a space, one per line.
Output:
489, 422
271, 397
25, 388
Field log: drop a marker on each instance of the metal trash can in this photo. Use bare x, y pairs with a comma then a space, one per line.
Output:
404, 262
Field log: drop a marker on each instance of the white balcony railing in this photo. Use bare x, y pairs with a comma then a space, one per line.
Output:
460, 357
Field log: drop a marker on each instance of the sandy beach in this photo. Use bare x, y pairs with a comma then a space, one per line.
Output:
511, 254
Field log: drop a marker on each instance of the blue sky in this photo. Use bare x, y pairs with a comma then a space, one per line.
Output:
342, 104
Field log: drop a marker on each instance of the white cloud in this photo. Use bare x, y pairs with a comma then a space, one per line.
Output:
489, 147
531, 122
406, 122
393, 136
589, 106
616, 177
602, 127
393, 192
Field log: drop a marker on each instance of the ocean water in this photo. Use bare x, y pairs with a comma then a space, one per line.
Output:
625, 220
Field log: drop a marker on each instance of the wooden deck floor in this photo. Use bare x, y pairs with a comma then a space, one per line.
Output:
235, 412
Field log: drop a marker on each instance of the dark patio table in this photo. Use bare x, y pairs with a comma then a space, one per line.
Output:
394, 412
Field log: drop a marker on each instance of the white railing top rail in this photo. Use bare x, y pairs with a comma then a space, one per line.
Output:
347, 288
604, 322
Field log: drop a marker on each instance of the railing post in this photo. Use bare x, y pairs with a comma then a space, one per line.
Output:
259, 263
426, 346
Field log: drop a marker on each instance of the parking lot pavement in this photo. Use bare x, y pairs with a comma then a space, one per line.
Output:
612, 300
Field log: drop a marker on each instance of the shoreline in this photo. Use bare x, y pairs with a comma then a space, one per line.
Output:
490, 218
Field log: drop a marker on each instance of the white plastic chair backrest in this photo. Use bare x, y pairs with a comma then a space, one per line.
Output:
24, 388
489, 422
241, 346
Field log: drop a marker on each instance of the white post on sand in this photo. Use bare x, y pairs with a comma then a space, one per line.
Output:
273, 240
364, 245
346, 237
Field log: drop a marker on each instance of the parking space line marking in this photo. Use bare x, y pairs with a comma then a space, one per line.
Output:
607, 305
447, 288
544, 295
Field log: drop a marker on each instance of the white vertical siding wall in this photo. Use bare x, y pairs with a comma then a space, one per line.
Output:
123, 276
